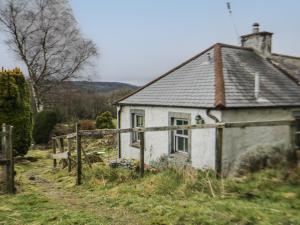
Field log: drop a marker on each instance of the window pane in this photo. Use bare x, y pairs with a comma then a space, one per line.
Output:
185, 122
179, 131
180, 143
139, 121
185, 132
186, 145
178, 122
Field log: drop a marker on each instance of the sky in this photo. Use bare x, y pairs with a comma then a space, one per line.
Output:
138, 40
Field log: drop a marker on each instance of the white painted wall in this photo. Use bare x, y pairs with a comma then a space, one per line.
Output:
156, 143
239, 140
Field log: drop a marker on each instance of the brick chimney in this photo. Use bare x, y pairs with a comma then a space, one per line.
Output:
261, 41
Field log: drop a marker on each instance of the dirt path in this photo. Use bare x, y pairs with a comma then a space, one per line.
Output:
75, 201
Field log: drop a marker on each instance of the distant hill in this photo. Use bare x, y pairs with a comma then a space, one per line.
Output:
101, 86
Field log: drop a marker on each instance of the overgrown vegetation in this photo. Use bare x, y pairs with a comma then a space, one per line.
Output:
45, 122
15, 108
87, 125
173, 195
261, 157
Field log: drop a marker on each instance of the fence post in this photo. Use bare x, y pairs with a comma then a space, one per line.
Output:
142, 153
61, 144
10, 165
219, 150
4, 154
78, 148
3, 148
54, 152
69, 155
294, 157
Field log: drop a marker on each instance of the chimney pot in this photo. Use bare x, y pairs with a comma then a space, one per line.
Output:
255, 27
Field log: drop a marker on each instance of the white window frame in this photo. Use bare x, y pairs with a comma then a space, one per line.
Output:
181, 134
137, 120
135, 124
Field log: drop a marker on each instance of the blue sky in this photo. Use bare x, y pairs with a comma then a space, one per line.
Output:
139, 40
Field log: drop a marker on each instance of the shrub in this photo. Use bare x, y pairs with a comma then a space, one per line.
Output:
45, 121
15, 108
259, 158
87, 125
105, 121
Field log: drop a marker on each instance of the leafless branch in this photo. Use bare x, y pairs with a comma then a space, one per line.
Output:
44, 35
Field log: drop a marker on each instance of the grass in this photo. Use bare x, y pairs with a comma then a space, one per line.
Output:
172, 196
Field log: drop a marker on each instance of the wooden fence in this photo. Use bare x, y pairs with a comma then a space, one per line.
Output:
100, 133
7, 159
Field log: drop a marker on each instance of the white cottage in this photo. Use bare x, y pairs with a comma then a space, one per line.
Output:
223, 83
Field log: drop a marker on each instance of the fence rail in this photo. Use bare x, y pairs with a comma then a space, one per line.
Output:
101, 132
219, 138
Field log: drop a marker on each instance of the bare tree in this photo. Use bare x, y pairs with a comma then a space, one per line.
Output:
44, 35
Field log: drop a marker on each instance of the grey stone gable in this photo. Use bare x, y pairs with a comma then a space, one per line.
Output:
239, 68
192, 85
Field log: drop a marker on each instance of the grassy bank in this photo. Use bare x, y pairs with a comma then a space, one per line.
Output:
172, 196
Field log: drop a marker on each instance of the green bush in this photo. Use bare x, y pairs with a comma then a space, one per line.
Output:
105, 121
15, 108
44, 123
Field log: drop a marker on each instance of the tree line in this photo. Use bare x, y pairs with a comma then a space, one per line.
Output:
73, 103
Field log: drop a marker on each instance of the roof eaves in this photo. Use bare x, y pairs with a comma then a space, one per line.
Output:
163, 105
219, 79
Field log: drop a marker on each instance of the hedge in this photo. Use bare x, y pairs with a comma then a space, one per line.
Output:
45, 121
15, 108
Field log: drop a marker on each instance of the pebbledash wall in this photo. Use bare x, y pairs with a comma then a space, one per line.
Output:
236, 141
157, 143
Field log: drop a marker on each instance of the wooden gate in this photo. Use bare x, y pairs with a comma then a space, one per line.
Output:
7, 171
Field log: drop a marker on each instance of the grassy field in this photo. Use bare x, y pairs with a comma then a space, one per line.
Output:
172, 196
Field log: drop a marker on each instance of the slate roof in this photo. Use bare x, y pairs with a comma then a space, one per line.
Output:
223, 76
290, 64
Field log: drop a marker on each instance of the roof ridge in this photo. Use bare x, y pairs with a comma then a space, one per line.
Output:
235, 46
288, 56
219, 78
167, 73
